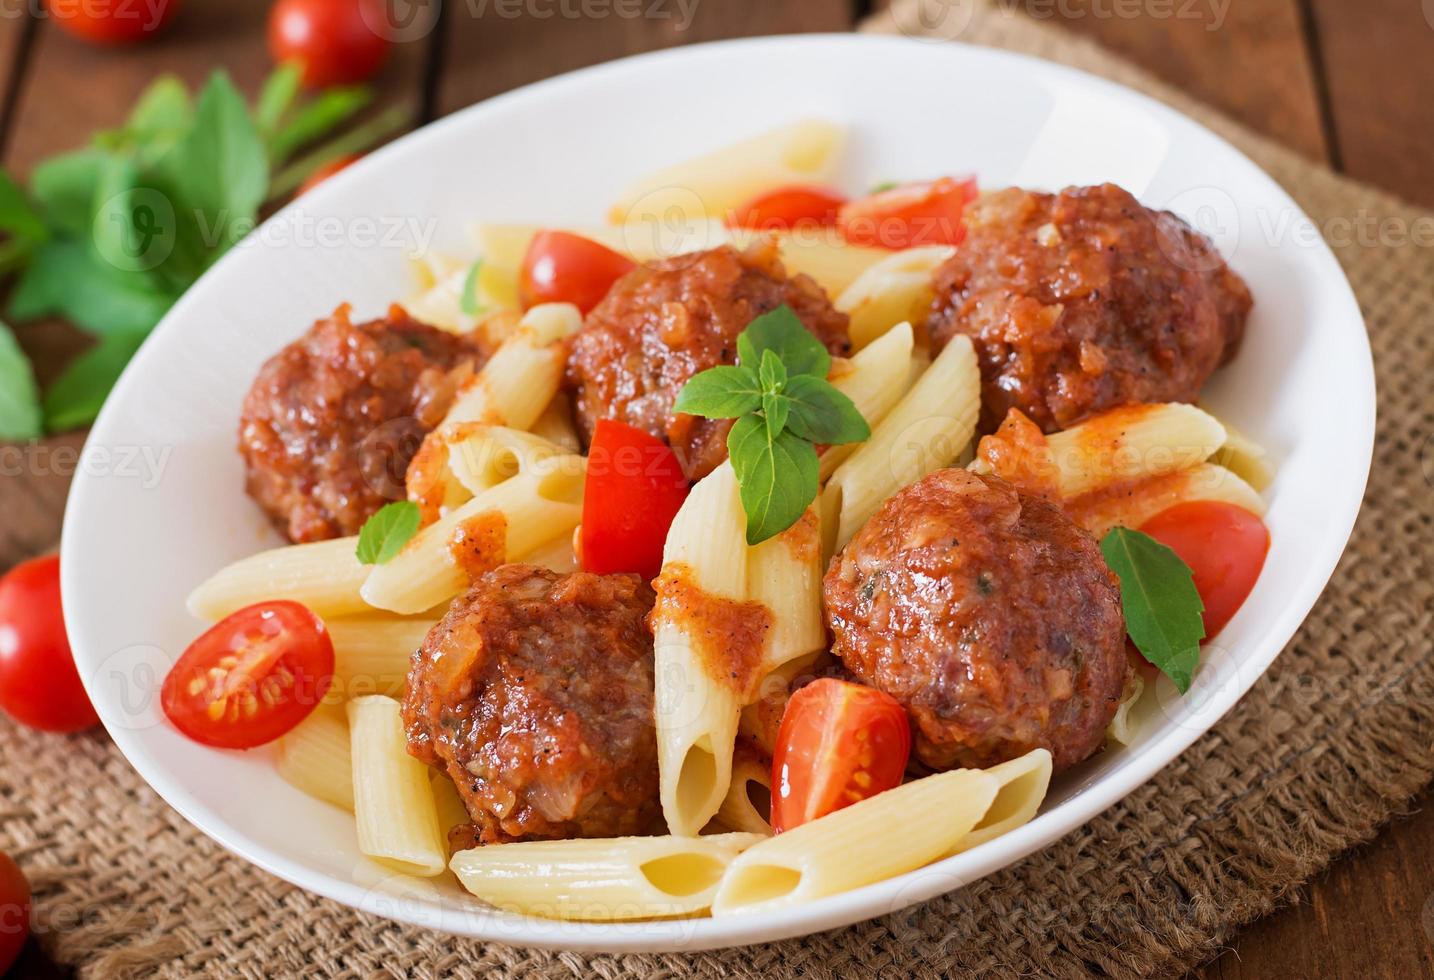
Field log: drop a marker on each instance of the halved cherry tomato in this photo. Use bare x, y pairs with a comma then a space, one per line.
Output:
14, 911
633, 491
325, 172
252, 677
335, 41
788, 207
1225, 547
838, 743
924, 213
561, 267
39, 685
111, 23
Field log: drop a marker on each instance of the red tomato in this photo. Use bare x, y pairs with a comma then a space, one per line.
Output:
560, 267
633, 491
1224, 546
325, 172
14, 911
114, 22
838, 743
335, 41
39, 685
924, 213
788, 207
252, 677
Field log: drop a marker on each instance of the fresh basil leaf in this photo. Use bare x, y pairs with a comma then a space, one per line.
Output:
19, 399
70, 280
277, 96
385, 533
777, 478
66, 187
782, 333
75, 397
775, 409
468, 298
724, 392
771, 372
17, 215
161, 117
317, 119
1162, 607
822, 414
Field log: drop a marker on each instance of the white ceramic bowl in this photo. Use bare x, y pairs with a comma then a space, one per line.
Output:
159, 504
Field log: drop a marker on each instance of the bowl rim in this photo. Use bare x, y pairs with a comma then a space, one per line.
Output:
839, 910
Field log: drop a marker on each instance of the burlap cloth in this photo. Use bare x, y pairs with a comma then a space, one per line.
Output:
1336, 738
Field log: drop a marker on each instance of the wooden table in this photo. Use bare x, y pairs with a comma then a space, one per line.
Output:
1350, 84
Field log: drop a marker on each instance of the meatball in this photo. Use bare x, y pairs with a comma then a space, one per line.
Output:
989, 614
332, 420
662, 323
534, 694
1083, 301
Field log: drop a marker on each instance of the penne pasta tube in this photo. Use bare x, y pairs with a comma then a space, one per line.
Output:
857, 845
1245, 458
558, 555
451, 810
1022, 786
784, 576
893, 290
556, 424
601, 880
393, 800
506, 245
372, 653
502, 524
1123, 727
927, 430
315, 758
442, 280
1132, 443
1131, 505
326, 576
523, 374
747, 807
460, 460
874, 379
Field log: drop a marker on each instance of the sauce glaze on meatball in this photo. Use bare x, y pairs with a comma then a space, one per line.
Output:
989, 614
662, 323
1084, 301
534, 694
332, 420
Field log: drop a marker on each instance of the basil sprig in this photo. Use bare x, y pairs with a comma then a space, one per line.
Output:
1162, 607
784, 407
384, 534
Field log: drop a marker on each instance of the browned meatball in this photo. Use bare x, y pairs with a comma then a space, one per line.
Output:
989, 614
332, 420
534, 694
662, 323
1083, 301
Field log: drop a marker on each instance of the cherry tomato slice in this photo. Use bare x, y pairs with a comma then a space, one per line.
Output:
838, 743
252, 677
39, 685
111, 23
633, 491
14, 911
924, 213
561, 267
336, 42
325, 172
788, 207
1225, 547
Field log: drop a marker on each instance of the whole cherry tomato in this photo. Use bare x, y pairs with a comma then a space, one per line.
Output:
252, 677
111, 23
788, 207
561, 267
14, 911
325, 172
39, 685
1225, 547
336, 42
633, 491
838, 743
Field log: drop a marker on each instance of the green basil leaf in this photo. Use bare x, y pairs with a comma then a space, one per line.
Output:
822, 414
317, 119
67, 279
772, 373
468, 298
723, 392
782, 333
66, 187
386, 532
775, 409
277, 96
75, 397
161, 117
17, 215
777, 478
19, 399
1162, 607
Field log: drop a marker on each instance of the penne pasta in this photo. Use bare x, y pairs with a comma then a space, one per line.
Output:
442, 280
1132, 443
521, 377
315, 758
556, 424
1245, 458
855, 846
747, 807
762, 716
926, 430
326, 576
601, 880
1022, 786
1131, 505
825, 256
393, 799
894, 290
460, 460
874, 380
372, 653
506, 245
558, 555
784, 576
1123, 728
449, 805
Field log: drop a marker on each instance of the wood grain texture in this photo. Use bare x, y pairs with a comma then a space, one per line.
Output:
1379, 63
